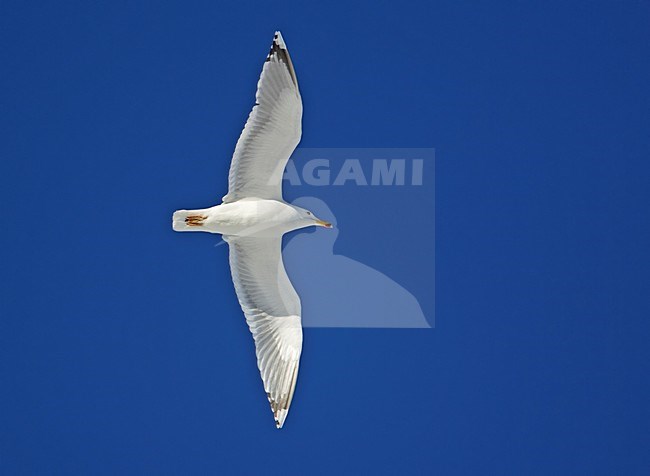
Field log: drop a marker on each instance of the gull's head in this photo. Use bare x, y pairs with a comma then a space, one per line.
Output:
307, 218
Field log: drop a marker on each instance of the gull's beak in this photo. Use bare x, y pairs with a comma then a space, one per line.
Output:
325, 224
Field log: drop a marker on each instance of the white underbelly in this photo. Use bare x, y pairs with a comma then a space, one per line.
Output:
248, 217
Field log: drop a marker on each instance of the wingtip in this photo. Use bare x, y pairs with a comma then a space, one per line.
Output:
280, 416
280, 53
277, 38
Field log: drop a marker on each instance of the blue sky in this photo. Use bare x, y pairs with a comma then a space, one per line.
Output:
122, 346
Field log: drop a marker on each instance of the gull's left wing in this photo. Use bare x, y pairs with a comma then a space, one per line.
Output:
272, 309
272, 131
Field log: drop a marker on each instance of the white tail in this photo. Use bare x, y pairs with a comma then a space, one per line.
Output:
188, 220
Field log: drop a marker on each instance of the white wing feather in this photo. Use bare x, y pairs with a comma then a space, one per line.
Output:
272, 309
272, 131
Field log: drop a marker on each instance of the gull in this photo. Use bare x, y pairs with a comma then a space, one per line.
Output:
252, 219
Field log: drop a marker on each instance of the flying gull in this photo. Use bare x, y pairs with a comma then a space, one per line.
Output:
252, 219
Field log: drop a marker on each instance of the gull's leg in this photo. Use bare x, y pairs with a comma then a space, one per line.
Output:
195, 220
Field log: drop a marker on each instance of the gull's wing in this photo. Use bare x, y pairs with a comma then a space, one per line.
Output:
272, 309
272, 131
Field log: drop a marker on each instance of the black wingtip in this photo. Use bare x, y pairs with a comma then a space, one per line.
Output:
280, 53
277, 46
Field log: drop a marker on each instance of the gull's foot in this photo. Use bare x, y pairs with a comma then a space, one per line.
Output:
195, 220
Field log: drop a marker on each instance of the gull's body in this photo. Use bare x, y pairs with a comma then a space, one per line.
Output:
252, 219
245, 217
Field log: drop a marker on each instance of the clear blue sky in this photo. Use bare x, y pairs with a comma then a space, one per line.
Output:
122, 347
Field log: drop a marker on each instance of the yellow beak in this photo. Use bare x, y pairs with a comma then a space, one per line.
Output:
326, 224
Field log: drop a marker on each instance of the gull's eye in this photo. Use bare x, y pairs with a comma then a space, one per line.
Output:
308, 213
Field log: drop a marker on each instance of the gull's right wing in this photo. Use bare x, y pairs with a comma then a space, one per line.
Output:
272, 131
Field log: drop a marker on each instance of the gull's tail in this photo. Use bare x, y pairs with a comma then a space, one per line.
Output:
188, 220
